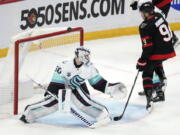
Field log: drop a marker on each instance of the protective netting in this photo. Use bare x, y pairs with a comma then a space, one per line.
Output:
37, 60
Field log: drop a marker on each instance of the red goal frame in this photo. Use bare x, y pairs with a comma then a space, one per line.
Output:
16, 57
9, 1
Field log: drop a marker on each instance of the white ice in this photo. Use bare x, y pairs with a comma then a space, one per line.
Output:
115, 59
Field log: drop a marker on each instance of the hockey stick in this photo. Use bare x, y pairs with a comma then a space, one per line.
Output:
44, 88
120, 117
76, 114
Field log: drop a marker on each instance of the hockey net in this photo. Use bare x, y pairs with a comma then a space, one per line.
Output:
33, 55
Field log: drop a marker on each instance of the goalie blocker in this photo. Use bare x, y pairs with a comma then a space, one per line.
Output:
69, 82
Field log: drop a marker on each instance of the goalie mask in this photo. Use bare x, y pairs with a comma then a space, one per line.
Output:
83, 54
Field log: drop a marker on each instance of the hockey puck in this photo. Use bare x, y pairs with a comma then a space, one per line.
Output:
69, 29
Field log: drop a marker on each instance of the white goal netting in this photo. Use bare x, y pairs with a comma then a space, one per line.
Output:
37, 61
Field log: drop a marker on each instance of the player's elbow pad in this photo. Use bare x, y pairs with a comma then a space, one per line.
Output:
116, 90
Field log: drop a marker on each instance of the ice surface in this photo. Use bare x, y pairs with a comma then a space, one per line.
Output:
115, 59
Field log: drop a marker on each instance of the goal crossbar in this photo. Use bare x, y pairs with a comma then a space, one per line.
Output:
16, 56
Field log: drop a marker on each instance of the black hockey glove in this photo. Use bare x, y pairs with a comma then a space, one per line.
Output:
134, 5
141, 64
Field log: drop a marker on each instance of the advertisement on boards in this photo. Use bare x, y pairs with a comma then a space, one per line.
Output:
92, 15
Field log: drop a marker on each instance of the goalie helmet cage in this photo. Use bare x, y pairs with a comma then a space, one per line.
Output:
16, 57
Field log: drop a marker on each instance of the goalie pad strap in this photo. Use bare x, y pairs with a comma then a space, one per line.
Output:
54, 88
84, 103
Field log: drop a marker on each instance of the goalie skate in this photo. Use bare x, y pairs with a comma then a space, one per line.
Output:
23, 119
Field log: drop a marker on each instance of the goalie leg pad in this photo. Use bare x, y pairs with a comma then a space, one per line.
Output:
64, 100
42, 108
90, 107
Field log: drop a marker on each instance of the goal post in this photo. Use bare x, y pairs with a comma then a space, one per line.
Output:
16, 56
33, 43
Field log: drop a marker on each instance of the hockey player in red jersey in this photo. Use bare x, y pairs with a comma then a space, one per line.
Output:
161, 6
157, 47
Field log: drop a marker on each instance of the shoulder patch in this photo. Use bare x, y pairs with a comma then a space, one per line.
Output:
143, 25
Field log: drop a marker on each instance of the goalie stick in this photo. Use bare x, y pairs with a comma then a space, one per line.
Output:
120, 116
76, 114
